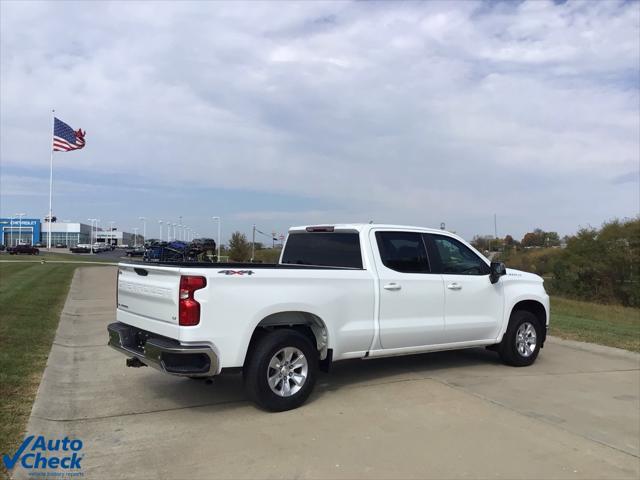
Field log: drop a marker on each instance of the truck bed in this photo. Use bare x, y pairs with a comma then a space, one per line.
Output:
231, 265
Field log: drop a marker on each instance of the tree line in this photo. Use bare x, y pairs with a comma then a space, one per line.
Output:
601, 265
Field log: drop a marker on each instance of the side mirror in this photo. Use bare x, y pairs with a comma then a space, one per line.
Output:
498, 269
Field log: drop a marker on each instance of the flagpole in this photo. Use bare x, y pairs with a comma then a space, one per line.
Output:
51, 179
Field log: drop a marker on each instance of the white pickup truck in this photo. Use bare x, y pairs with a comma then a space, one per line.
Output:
339, 292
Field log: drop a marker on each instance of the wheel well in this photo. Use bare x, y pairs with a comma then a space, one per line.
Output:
537, 309
306, 323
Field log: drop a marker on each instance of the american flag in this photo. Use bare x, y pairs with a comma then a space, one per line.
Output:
65, 138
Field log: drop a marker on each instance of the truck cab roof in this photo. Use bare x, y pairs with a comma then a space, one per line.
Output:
363, 227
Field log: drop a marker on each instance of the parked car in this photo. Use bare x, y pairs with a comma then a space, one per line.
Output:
3, 247
339, 292
81, 248
23, 250
61, 245
135, 252
99, 247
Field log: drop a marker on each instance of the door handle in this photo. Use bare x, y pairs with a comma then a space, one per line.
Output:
392, 286
454, 286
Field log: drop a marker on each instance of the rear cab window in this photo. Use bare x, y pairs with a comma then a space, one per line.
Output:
325, 249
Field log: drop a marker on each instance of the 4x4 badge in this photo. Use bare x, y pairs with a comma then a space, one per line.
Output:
236, 272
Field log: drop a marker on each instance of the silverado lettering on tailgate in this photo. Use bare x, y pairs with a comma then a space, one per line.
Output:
148, 290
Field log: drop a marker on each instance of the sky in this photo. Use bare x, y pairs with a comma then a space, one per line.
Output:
292, 113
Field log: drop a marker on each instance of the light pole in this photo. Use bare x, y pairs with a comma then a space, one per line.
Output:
91, 233
181, 227
160, 223
11, 235
219, 233
135, 238
66, 232
20, 215
144, 228
111, 231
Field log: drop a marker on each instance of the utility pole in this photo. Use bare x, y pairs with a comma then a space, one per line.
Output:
135, 237
495, 226
253, 243
160, 223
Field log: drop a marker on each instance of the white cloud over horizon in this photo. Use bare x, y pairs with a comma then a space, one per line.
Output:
402, 112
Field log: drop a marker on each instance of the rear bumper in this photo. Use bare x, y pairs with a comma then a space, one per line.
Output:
162, 353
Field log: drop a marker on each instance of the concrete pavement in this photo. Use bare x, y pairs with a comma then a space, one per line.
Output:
574, 414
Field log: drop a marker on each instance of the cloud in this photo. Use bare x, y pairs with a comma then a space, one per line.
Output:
415, 112
629, 177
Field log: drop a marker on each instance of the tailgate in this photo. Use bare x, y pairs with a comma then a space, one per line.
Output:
148, 292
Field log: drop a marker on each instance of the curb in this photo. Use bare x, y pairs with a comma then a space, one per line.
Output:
594, 348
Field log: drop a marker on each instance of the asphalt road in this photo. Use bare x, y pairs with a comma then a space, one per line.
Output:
574, 414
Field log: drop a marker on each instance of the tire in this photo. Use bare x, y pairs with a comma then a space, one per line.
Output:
521, 342
281, 347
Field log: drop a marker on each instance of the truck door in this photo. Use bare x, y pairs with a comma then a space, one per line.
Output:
411, 296
473, 305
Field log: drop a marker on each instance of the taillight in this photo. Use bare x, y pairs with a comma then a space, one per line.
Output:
189, 309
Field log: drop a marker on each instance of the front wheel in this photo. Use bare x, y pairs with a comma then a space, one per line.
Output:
521, 342
281, 370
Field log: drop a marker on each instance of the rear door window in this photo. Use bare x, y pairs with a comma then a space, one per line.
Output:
403, 251
336, 249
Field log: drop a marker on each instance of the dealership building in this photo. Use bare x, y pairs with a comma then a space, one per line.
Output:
116, 237
66, 233
14, 231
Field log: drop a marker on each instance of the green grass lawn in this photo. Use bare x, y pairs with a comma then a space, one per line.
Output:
611, 325
55, 256
31, 298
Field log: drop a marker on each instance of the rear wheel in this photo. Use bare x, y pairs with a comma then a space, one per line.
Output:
521, 342
281, 370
